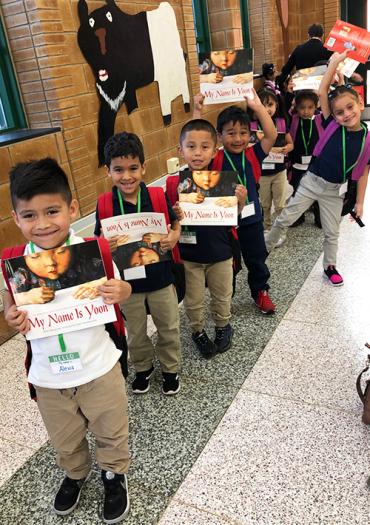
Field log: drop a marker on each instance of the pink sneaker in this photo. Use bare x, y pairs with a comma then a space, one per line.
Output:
333, 275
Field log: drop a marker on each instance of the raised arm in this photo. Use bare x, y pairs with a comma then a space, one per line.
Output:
324, 87
268, 127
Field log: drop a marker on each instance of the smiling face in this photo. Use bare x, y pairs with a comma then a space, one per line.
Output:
206, 179
306, 108
235, 137
126, 174
144, 256
198, 149
347, 110
223, 59
50, 264
45, 219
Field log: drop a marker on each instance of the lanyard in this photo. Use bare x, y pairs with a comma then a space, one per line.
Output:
242, 182
344, 152
121, 201
306, 143
62, 343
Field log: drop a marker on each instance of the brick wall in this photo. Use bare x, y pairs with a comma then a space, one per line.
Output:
225, 24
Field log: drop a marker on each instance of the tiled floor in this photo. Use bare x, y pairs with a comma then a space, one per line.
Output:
288, 449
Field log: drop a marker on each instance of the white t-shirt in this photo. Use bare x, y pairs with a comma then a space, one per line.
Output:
97, 352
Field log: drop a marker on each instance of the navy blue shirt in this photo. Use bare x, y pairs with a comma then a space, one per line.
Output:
329, 165
299, 149
158, 275
251, 182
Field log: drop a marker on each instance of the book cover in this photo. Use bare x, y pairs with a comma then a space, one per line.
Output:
308, 78
208, 198
226, 75
347, 36
59, 289
138, 237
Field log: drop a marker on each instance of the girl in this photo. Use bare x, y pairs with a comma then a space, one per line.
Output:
341, 154
273, 181
269, 73
305, 129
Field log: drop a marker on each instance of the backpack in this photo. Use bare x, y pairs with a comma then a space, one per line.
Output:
159, 203
280, 125
115, 329
249, 155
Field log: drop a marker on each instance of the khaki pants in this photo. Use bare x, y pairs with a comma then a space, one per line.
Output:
219, 278
101, 407
165, 314
272, 190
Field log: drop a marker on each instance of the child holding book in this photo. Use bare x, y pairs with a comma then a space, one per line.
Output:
92, 394
125, 164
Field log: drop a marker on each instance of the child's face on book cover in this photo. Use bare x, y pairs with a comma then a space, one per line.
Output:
206, 179
50, 264
45, 219
223, 59
126, 174
198, 149
144, 256
235, 137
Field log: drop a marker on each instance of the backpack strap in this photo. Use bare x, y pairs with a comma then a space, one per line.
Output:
281, 125
218, 161
172, 183
318, 122
294, 126
358, 170
105, 205
256, 166
158, 198
325, 137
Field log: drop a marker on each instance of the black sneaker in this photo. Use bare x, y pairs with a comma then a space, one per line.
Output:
116, 500
171, 384
141, 384
223, 338
68, 495
205, 346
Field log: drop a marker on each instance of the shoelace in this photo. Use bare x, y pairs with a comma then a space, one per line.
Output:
203, 339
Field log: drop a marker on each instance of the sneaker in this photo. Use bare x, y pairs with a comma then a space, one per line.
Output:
116, 500
264, 303
205, 346
171, 384
333, 275
68, 495
281, 241
223, 338
140, 384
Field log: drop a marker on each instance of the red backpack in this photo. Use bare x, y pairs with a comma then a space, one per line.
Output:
116, 329
249, 155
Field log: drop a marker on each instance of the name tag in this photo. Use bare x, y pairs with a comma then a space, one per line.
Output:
65, 363
268, 166
302, 167
306, 159
187, 237
343, 188
248, 210
275, 157
134, 273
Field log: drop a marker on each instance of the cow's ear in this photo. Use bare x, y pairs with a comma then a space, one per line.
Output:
111, 3
83, 11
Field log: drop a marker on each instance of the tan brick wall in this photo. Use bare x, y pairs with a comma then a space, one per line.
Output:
225, 24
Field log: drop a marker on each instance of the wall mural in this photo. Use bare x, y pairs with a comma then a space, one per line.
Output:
126, 52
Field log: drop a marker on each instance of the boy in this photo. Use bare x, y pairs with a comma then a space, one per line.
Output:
124, 159
234, 133
208, 257
93, 394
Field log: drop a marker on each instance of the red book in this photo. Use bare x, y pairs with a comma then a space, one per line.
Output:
347, 36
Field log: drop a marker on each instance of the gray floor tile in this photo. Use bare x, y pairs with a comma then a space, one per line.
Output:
180, 514
12, 457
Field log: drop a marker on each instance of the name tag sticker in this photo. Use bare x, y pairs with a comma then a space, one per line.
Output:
343, 189
65, 362
248, 210
268, 166
306, 159
302, 167
134, 273
187, 237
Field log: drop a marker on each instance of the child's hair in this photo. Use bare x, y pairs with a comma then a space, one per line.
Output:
38, 177
267, 70
306, 94
123, 145
265, 94
342, 90
198, 124
232, 114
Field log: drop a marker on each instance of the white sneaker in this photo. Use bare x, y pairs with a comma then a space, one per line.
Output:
281, 241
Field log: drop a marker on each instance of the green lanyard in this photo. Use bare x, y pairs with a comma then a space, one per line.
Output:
121, 201
306, 143
242, 182
62, 343
344, 153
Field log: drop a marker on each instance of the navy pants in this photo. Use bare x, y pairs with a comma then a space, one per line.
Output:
254, 252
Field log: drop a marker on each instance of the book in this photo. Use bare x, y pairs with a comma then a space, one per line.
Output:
226, 75
208, 198
138, 241
59, 289
308, 78
353, 38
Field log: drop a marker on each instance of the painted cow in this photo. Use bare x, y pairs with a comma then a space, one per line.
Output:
126, 52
